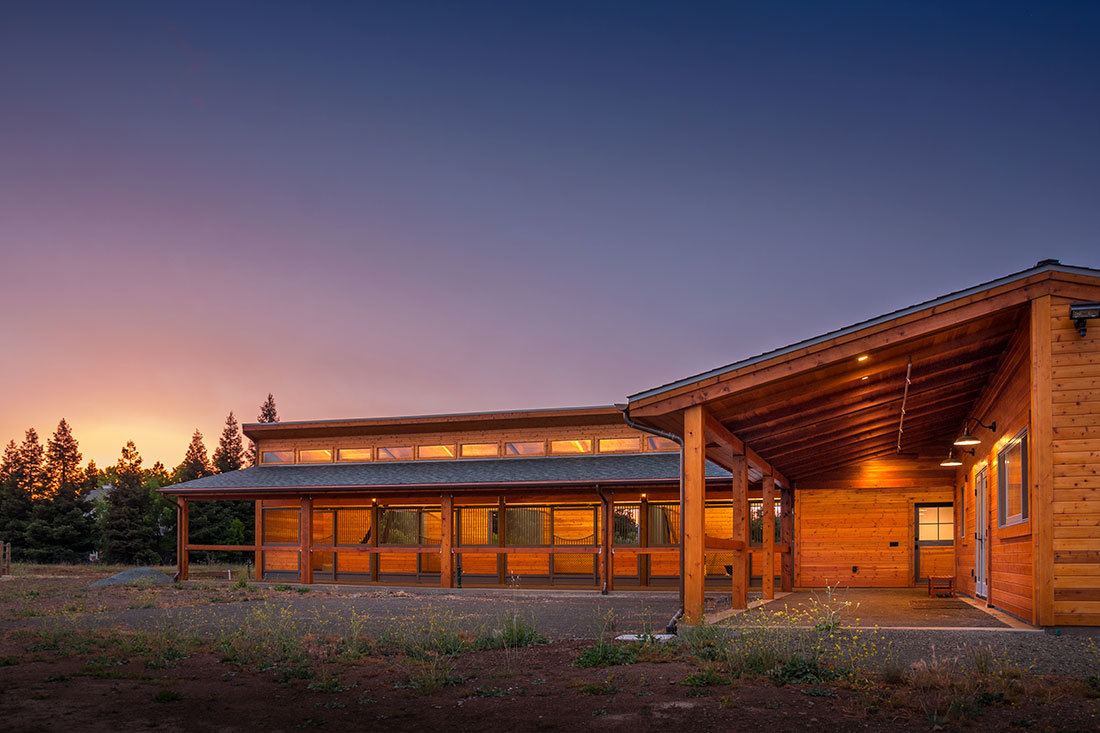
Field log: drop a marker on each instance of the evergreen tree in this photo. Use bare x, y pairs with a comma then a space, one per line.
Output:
267, 414
30, 471
195, 462
60, 528
15, 504
130, 531
229, 455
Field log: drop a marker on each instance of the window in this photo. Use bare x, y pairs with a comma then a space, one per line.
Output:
435, 451
570, 447
620, 445
961, 504
655, 443
935, 523
398, 453
277, 456
1012, 482
353, 454
525, 448
315, 455
480, 450
280, 526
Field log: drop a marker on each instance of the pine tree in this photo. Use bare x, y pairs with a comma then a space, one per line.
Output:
268, 414
130, 531
15, 503
60, 528
30, 471
229, 455
195, 462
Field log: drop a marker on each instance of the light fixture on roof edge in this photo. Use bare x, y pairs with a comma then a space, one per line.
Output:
968, 438
1082, 313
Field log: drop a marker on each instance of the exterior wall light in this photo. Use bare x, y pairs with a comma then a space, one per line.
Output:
951, 461
1082, 313
968, 438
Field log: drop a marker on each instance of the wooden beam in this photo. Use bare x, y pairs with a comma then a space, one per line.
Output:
786, 534
446, 541
693, 513
740, 574
533, 550
767, 567
1041, 460
305, 540
721, 434
724, 544
258, 522
221, 548
182, 532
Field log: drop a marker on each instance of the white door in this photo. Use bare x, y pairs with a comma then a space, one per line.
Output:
981, 524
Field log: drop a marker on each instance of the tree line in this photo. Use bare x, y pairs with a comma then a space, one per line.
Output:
55, 508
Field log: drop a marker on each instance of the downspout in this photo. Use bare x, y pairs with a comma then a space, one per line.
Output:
179, 548
625, 409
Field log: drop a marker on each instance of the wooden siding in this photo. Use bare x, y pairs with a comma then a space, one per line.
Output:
849, 518
1006, 401
1075, 515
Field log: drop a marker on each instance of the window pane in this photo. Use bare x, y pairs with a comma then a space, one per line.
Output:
353, 454
620, 445
627, 529
525, 448
570, 446
277, 456
436, 451
947, 515
927, 532
1012, 482
398, 453
280, 526
927, 514
655, 443
315, 455
353, 526
480, 450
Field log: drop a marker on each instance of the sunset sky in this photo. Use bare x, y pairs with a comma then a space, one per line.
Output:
435, 207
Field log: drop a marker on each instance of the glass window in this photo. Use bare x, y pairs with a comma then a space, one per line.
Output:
620, 445
655, 443
1012, 482
277, 456
280, 526
315, 455
353, 454
935, 523
570, 447
626, 524
398, 453
525, 448
664, 525
436, 451
480, 450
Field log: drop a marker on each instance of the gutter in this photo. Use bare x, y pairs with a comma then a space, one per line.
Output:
671, 627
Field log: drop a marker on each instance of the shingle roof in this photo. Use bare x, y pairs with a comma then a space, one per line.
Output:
621, 469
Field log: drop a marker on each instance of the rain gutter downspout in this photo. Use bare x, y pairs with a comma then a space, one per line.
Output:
179, 509
671, 628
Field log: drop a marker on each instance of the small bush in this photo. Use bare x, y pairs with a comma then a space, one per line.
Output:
607, 654
706, 677
430, 675
607, 687
801, 670
513, 632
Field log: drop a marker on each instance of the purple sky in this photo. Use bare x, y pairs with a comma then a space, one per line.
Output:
372, 210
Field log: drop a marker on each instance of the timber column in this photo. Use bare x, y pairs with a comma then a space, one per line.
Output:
693, 541
786, 534
182, 538
305, 540
768, 515
446, 542
739, 573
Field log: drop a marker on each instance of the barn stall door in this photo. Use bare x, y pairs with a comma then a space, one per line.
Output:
934, 554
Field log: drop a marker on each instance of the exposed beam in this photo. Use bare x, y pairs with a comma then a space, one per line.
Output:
720, 433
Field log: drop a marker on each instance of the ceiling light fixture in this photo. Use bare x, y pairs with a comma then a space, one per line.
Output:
951, 461
865, 357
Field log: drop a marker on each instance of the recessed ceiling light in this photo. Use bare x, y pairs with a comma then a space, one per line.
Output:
864, 378
863, 358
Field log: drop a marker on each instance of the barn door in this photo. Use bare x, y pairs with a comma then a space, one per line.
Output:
981, 524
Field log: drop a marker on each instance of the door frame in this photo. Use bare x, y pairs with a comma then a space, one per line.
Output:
919, 543
981, 533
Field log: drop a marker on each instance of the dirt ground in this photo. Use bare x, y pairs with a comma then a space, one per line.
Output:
222, 655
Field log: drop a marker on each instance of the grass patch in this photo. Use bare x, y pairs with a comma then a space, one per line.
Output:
514, 631
607, 687
425, 676
607, 654
706, 677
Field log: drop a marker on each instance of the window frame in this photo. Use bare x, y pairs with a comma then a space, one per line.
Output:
638, 444
1019, 440
265, 452
368, 459
378, 453
330, 459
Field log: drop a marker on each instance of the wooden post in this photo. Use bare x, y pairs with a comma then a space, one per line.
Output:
693, 541
740, 569
305, 540
375, 530
446, 541
182, 537
607, 562
786, 534
768, 513
502, 558
643, 541
1041, 461
259, 539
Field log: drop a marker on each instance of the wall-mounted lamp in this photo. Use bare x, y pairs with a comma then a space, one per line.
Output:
1082, 313
951, 461
968, 438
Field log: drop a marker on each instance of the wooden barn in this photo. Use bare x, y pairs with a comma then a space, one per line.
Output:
958, 438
